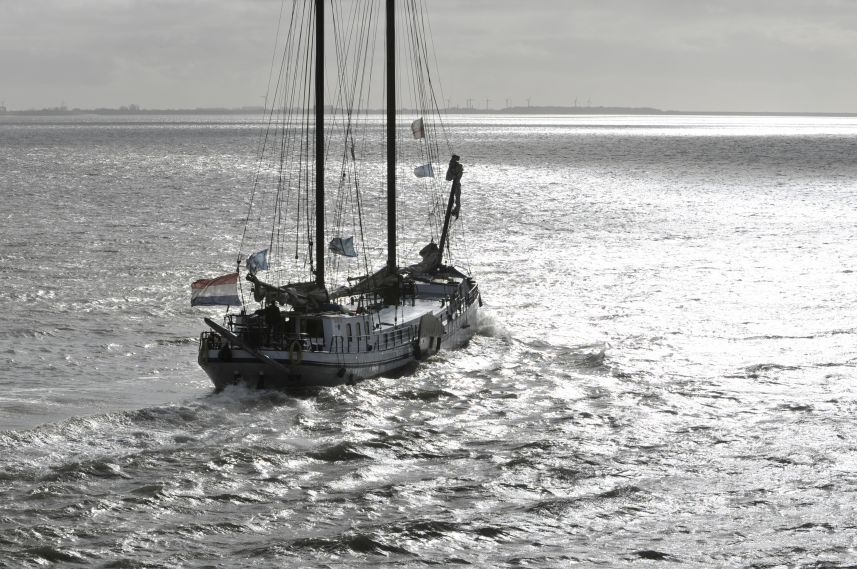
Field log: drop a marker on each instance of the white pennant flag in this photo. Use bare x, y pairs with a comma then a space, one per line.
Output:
342, 246
424, 171
417, 128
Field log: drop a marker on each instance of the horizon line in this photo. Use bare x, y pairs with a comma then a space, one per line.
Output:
518, 110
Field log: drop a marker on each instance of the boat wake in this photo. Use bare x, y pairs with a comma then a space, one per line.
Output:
490, 326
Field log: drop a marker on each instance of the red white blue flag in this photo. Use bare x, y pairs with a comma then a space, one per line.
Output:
222, 291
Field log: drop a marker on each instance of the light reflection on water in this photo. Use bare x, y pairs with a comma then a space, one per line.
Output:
663, 371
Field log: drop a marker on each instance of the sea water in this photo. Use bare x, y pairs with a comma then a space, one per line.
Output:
664, 369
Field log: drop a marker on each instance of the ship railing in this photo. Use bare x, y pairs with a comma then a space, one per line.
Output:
472, 294
258, 334
210, 340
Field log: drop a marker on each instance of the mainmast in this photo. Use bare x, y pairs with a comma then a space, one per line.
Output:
391, 137
319, 143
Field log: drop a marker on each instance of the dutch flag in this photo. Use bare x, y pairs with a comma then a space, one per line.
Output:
218, 291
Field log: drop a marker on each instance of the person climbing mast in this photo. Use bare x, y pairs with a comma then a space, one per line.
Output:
453, 174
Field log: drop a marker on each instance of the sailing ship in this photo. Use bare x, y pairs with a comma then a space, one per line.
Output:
325, 316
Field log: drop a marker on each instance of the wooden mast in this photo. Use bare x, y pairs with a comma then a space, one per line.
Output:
319, 143
391, 137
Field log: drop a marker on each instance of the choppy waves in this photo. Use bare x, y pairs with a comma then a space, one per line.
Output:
384, 470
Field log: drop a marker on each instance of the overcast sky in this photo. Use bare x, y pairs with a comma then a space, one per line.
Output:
695, 55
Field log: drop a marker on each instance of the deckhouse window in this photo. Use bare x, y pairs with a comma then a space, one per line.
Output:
312, 327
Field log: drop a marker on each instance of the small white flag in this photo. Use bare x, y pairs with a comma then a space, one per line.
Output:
342, 246
424, 171
417, 128
257, 261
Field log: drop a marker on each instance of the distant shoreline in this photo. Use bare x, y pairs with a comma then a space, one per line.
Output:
546, 110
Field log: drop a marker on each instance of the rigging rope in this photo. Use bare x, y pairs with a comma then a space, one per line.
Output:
288, 126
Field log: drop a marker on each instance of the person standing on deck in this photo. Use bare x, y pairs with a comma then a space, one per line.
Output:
453, 174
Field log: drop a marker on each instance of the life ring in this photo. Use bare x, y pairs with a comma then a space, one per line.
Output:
296, 353
429, 329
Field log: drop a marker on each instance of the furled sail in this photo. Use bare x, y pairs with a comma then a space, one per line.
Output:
431, 260
369, 283
300, 296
